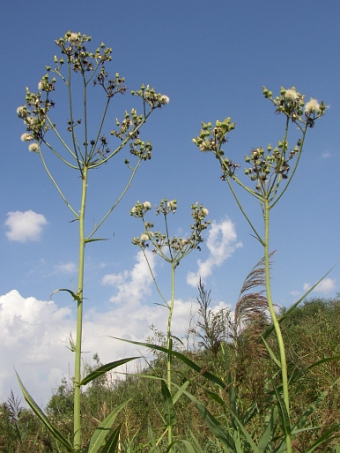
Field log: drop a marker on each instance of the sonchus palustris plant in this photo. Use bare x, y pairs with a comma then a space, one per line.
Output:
82, 148
172, 250
270, 171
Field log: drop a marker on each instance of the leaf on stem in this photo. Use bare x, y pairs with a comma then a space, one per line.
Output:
39, 413
182, 357
74, 295
169, 411
98, 437
104, 369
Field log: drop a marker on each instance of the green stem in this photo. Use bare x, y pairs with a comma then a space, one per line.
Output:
77, 372
169, 340
85, 121
117, 202
71, 120
257, 236
154, 279
294, 169
274, 318
54, 129
56, 185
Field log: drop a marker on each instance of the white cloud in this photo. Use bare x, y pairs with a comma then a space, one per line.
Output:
67, 268
24, 226
133, 285
34, 336
325, 286
222, 243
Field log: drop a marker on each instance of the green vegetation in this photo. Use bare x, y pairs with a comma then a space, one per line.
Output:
311, 334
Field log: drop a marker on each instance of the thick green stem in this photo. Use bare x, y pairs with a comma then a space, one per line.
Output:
77, 371
169, 339
275, 320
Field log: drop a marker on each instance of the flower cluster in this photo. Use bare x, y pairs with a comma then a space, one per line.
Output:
128, 128
149, 95
270, 167
110, 86
73, 46
177, 247
140, 209
212, 138
34, 112
272, 162
292, 104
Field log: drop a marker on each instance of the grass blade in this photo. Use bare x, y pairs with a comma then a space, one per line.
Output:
112, 441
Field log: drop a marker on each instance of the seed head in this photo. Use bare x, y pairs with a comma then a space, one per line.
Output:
290, 95
33, 147
26, 137
21, 111
312, 107
165, 99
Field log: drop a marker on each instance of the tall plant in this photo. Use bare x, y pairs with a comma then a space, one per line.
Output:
270, 171
84, 150
172, 250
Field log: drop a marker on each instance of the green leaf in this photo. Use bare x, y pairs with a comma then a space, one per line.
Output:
250, 440
249, 413
112, 441
179, 392
104, 369
183, 358
39, 413
271, 353
74, 295
215, 427
284, 417
325, 438
94, 240
188, 448
169, 411
98, 437
268, 433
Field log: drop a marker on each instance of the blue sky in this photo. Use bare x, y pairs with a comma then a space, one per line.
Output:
212, 61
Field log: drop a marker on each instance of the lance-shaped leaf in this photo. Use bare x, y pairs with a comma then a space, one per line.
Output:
74, 295
182, 357
169, 411
98, 437
104, 369
39, 413
112, 441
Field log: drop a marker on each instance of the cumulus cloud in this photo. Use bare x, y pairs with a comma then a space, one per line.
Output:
24, 226
325, 286
35, 334
222, 243
132, 286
